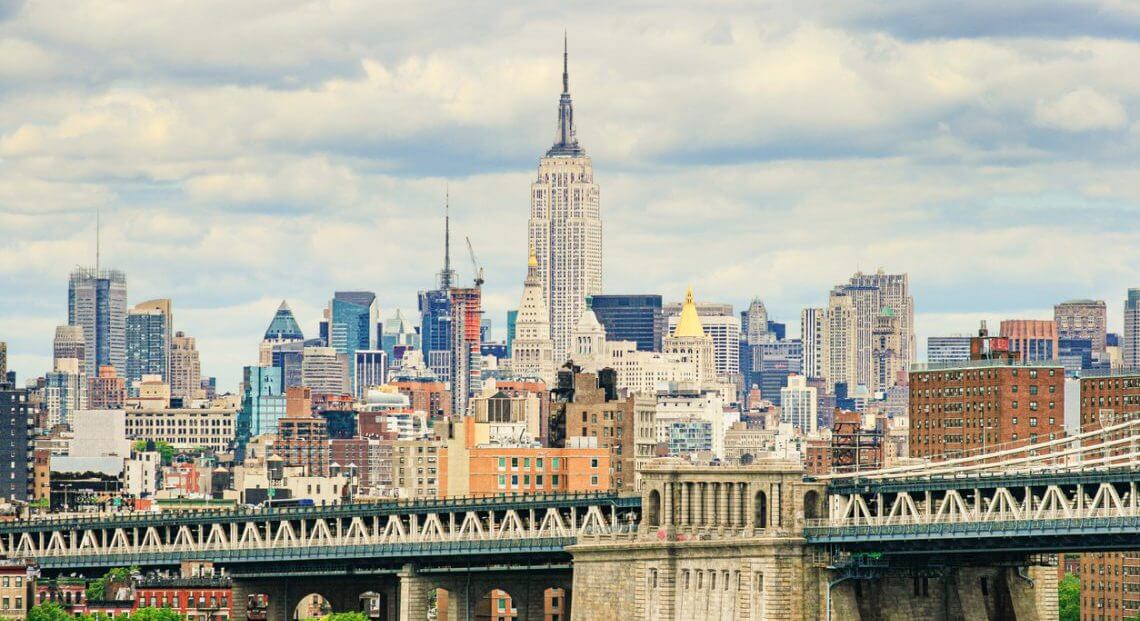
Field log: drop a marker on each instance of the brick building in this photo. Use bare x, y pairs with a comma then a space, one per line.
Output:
586, 408
106, 391
978, 405
425, 395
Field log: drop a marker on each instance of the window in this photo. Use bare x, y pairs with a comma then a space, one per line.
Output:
594, 480
526, 463
514, 463
593, 462
502, 463
1032, 421
1013, 405
538, 463
554, 463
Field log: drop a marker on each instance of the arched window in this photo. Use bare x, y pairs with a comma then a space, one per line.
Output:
761, 520
811, 505
654, 514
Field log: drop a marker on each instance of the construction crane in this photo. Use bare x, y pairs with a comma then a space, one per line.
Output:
475, 264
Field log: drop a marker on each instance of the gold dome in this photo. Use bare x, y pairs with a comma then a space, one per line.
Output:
689, 323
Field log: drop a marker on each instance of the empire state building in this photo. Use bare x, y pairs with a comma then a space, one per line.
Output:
565, 226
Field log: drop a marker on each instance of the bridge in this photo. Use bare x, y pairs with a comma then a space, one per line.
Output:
1075, 494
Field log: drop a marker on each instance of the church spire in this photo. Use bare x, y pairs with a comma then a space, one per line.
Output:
565, 141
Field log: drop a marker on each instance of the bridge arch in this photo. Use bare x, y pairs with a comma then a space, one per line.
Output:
311, 606
812, 509
653, 511
761, 505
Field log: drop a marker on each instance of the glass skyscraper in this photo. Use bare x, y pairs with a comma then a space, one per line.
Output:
262, 405
353, 316
635, 318
97, 301
148, 343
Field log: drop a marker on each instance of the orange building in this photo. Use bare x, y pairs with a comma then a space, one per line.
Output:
471, 466
107, 391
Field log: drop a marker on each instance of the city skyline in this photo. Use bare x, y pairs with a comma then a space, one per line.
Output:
229, 238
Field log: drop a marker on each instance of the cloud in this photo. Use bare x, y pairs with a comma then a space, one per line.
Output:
1081, 110
242, 153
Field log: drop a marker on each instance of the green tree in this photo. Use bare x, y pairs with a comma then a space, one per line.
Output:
163, 448
50, 611
345, 616
1069, 598
155, 614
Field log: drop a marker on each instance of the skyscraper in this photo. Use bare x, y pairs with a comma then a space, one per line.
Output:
17, 415
860, 303
70, 343
435, 312
754, 323
532, 350
636, 318
283, 328
565, 227
352, 319
97, 301
813, 334
148, 342
185, 368
722, 325
1082, 319
688, 339
465, 372
1131, 345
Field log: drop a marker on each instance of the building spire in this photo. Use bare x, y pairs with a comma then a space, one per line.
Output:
565, 64
445, 276
565, 140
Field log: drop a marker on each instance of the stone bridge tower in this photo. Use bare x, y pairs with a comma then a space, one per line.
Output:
715, 542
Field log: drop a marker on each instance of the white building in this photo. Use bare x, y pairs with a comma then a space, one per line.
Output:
704, 406
719, 323
565, 227
813, 335
65, 392
688, 340
532, 350
324, 371
100, 433
799, 405
369, 370
184, 428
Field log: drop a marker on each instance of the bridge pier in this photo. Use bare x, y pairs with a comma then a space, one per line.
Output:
467, 593
342, 593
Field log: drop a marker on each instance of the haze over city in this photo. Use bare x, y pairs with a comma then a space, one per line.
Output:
241, 154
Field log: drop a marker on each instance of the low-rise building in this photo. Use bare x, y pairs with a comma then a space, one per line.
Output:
184, 428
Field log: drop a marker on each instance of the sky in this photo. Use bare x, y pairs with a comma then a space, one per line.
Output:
242, 153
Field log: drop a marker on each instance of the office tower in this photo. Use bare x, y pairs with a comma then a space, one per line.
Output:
1083, 319
398, 333
370, 369
466, 370
185, 368
324, 370
17, 420
722, 325
886, 352
565, 227
688, 339
1034, 339
512, 318
283, 328
1131, 344
947, 349
813, 334
106, 391
262, 405
97, 301
532, 350
435, 312
636, 318
289, 357
754, 323
69, 343
773, 363
352, 319
893, 293
799, 404
65, 392
149, 337
841, 333
777, 330
3, 360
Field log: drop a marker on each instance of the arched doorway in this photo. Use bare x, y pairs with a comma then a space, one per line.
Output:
496, 605
373, 605
811, 505
761, 517
312, 606
654, 510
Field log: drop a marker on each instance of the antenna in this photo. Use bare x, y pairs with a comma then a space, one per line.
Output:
445, 277
98, 231
475, 263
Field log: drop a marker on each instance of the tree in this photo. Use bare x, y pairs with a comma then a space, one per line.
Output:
163, 448
155, 614
1068, 598
345, 616
50, 611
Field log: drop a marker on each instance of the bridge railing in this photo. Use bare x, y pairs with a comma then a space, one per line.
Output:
1029, 516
